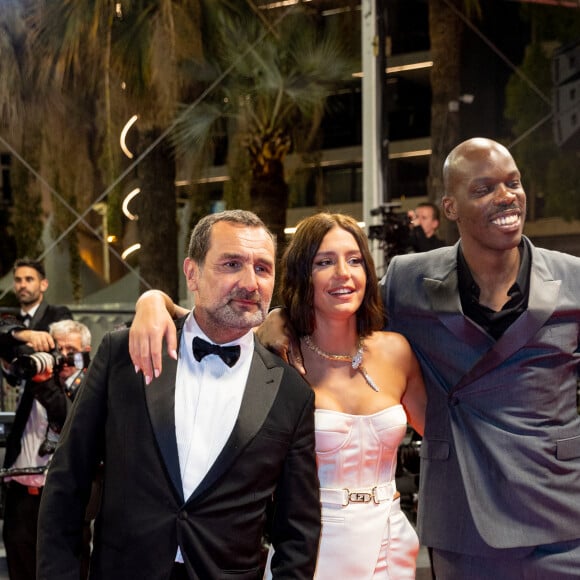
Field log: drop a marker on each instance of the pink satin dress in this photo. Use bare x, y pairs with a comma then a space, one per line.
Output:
365, 535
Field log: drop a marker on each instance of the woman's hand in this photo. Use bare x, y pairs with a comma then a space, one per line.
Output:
153, 322
277, 335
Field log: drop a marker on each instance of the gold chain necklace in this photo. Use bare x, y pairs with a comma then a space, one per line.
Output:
355, 361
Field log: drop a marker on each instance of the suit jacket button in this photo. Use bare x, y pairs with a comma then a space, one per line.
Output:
182, 515
453, 401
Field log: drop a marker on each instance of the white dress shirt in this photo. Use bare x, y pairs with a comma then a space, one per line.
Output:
30, 314
208, 395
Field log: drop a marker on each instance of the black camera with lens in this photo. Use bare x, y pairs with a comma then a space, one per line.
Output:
29, 366
394, 232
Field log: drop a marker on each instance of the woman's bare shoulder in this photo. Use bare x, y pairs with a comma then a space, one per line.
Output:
387, 345
382, 338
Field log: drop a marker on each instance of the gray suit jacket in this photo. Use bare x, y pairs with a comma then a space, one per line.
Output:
144, 516
500, 460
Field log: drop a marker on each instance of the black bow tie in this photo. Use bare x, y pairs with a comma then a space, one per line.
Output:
229, 354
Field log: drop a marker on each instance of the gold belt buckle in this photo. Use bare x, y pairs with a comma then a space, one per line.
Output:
361, 496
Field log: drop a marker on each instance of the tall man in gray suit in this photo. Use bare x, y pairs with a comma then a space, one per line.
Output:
192, 460
495, 323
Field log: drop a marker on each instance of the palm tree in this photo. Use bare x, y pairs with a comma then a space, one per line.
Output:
54, 143
552, 173
125, 58
445, 32
53, 138
269, 79
19, 120
156, 42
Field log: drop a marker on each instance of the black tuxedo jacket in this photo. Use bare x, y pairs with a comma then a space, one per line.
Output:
45, 315
144, 516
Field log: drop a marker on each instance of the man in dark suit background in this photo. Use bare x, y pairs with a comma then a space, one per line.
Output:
495, 323
423, 223
193, 459
22, 493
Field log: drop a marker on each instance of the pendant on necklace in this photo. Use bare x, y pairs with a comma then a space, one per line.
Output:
355, 361
368, 379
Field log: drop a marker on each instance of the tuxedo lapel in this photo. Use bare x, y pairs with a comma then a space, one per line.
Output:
160, 396
442, 293
544, 290
543, 296
38, 316
261, 390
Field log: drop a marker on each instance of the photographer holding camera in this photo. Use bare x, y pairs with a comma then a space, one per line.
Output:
52, 378
28, 334
424, 222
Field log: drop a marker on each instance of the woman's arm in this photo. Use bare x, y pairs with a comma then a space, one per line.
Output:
276, 334
153, 322
415, 397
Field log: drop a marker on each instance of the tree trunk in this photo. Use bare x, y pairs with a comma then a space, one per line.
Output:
157, 223
27, 215
269, 195
445, 30
269, 191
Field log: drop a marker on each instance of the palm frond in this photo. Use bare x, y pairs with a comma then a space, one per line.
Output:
196, 126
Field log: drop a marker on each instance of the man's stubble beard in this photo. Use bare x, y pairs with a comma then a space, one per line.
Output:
230, 315
226, 316
28, 299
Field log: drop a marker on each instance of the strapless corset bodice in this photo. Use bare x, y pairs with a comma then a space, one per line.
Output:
366, 540
356, 451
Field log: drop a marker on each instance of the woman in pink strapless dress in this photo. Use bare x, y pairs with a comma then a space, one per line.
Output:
368, 386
